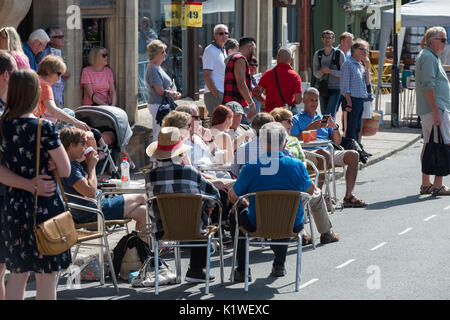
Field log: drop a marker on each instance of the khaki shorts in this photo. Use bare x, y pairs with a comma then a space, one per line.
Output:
427, 125
338, 158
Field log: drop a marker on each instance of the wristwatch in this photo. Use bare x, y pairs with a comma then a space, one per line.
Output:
337, 127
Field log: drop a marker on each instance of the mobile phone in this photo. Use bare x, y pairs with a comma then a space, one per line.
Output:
325, 118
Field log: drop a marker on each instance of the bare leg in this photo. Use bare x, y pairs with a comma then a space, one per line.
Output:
426, 180
46, 286
351, 159
15, 289
135, 209
2, 281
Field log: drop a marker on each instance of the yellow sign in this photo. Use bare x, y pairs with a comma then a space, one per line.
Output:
172, 14
398, 16
193, 15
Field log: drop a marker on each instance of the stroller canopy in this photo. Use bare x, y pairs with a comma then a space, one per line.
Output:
107, 118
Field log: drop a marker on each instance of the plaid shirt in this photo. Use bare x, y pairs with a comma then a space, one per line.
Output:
353, 79
170, 177
231, 91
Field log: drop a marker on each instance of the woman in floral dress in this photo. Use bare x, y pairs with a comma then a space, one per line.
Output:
18, 130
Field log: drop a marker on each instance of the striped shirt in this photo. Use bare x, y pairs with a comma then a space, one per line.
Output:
170, 177
353, 79
231, 91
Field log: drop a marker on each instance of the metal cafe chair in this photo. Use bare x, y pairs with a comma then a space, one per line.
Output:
180, 216
275, 215
85, 238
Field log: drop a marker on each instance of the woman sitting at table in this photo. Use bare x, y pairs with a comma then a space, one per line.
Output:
221, 122
83, 181
284, 116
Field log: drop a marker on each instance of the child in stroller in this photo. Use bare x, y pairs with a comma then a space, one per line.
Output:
112, 133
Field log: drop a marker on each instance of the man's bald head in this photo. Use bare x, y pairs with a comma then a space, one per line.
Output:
284, 56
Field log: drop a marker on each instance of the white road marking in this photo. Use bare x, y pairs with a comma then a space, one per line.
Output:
405, 231
378, 246
446, 208
308, 283
429, 218
345, 263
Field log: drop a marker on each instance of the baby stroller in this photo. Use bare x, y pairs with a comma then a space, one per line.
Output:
107, 118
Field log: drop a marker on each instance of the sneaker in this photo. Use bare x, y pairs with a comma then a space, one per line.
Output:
239, 275
278, 271
329, 237
306, 239
197, 276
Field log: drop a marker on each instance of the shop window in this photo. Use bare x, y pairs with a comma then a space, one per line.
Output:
93, 36
217, 12
153, 25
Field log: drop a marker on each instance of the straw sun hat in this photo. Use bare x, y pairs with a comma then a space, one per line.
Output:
169, 145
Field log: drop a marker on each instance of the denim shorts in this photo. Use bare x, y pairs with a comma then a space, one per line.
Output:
113, 208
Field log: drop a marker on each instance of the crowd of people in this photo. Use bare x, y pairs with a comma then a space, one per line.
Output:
32, 83
253, 136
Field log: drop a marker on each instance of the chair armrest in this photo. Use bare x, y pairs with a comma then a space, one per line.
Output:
94, 201
89, 210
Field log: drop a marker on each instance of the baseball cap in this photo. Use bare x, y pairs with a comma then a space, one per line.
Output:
236, 107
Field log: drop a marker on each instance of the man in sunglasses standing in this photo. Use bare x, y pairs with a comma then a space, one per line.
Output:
355, 78
433, 100
54, 47
214, 68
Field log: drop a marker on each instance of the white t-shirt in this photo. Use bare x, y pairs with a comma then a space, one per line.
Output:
214, 60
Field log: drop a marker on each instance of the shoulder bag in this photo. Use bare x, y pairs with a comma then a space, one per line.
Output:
291, 108
167, 105
57, 234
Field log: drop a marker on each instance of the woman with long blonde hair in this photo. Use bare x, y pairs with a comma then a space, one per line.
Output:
10, 40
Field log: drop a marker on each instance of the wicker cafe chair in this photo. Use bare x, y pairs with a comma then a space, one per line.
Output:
180, 215
85, 237
275, 216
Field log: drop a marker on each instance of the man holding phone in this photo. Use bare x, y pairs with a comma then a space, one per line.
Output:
327, 129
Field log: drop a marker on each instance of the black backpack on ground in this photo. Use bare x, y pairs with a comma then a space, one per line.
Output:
129, 241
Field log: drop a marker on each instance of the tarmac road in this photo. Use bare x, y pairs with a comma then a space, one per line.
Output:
396, 248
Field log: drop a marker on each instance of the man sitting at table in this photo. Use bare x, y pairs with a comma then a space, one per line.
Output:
310, 119
83, 182
170, 176
273, 170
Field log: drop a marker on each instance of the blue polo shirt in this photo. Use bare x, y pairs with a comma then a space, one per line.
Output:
302, 119
286, 173
31, 57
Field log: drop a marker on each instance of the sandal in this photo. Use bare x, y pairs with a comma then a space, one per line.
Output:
426, 189
354, 202
442, 191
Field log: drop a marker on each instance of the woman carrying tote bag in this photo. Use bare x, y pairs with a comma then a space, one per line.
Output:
18, 130
158, 82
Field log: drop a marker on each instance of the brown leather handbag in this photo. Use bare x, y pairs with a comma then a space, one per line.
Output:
57, 234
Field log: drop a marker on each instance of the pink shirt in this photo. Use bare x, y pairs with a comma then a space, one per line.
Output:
21, 60
100, 84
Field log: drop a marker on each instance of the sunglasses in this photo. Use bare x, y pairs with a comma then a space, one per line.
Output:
58, 37
59, 74
443, 40
328, 38
196, 117
104, 55
222, 33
